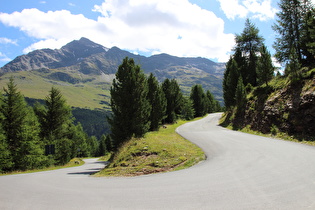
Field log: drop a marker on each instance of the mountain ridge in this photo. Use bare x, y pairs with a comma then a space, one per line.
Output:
82, 61
78, 50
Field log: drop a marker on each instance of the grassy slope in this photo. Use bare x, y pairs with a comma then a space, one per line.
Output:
84, 95
93, 90
159, 151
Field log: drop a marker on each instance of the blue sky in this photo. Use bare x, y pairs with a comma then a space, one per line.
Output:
191, 28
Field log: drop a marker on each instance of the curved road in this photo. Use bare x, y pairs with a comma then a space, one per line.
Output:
242, 171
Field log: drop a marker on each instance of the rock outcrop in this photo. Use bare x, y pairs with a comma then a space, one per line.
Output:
290, 109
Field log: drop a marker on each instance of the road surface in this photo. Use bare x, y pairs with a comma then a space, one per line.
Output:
242, 171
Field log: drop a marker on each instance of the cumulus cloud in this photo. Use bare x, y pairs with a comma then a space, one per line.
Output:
260, 9
4, 40
4, 58
176, 27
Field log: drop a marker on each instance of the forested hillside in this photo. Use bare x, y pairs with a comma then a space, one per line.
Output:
83, 71
140, 104
254, 97
39, 136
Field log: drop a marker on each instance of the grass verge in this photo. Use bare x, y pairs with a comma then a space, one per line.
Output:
159, 151
72, 163
275, 135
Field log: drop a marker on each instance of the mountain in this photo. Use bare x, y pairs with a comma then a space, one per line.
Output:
68, 55
84, 71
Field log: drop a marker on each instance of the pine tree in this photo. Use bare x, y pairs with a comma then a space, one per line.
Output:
217, 106
56, 116
78, 137
14, 111
93, 145
292, 67
57, 127
157, 100
5, 154
173, 97
6, 161
102, 146
188, 111
231, 76
63, 151
249, 43
290, 29
197, 96
130, 106
265, 68
21, 130
31, 150
308, 37
240, 95
211, 106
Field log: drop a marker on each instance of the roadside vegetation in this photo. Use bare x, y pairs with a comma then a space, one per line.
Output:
41, 136
259, 99
72, 163
157, 151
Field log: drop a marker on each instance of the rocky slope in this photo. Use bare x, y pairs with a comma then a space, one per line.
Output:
289, 109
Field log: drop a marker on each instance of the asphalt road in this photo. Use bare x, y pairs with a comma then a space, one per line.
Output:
242, 171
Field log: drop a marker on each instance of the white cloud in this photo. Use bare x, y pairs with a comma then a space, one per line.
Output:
260, 9
176, 27
47, 43
4, 58
4, 40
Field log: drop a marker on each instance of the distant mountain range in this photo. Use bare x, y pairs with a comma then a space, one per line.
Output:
84, 63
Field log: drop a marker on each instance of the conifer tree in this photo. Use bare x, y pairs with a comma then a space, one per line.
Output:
248, 43
31, 150
265, 68
173, 97
188, 111
290, 28
102, 146
93, 145
129, 103
211, 106
5, 154
198, 98
240, 94
230, 80
308, 37
157, 100
57, 127
21, 130
57, 115
80, 147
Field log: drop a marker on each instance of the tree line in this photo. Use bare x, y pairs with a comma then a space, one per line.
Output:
141, 104
40, 136
251, 63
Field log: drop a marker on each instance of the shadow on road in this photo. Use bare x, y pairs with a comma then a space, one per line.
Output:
91, 171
